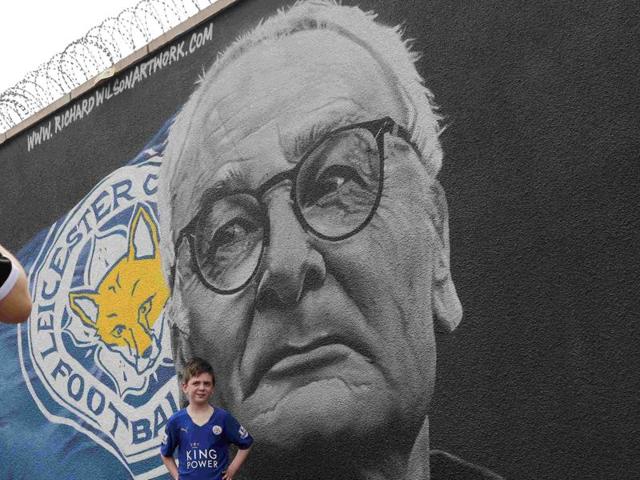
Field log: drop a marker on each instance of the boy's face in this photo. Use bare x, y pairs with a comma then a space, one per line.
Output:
199, 389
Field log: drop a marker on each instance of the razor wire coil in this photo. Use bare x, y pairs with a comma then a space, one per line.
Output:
99, 49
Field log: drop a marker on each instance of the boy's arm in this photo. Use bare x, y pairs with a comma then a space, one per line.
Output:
170, 463
15, 307
234, 466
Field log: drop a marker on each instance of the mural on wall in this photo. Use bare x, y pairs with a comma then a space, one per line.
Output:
281, 210
305, 238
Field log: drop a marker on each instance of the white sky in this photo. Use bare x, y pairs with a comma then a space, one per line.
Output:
32, 31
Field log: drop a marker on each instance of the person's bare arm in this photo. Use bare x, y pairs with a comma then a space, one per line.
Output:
170, 463
16, 306
233, 468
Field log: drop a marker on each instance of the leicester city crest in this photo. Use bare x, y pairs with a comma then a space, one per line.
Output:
96, 353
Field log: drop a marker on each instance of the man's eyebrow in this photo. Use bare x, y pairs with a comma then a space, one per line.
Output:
304, 140
233, 180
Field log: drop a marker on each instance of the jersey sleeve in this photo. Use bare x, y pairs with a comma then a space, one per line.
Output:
8, 276
169, 439
236, 433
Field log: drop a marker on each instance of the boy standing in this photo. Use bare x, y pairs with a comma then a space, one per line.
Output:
202, 433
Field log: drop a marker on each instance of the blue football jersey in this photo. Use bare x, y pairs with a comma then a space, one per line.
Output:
203, 451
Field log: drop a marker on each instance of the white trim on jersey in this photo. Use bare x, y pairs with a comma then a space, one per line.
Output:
11, 280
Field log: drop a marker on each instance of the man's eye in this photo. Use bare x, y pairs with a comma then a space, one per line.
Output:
332, 180
232, 232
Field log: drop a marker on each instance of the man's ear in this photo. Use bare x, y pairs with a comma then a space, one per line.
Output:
444, 299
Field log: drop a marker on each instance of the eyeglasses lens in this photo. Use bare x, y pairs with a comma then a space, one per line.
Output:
229, 240
338, 183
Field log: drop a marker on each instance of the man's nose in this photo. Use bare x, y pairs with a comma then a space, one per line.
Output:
292, 266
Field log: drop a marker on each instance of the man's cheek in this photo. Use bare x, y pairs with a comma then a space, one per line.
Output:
401, 250
359, 264
367, 269
219, 324
401, 227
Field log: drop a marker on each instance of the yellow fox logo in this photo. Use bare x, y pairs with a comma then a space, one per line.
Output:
130, 297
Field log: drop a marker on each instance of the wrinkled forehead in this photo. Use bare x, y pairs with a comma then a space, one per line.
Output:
250, 121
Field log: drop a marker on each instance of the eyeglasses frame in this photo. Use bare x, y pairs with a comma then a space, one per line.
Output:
376, 127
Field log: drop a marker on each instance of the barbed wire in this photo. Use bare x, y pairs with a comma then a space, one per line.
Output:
100, 48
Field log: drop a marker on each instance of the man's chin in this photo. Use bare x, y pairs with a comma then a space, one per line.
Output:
323, 410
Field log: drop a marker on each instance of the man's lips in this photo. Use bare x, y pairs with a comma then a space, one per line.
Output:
309, 360
295, 360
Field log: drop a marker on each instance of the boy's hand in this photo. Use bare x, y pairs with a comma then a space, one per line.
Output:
229, 473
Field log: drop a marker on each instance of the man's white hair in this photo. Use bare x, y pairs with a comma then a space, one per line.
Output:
384, 43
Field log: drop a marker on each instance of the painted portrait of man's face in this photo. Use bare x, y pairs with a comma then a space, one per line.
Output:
311, 250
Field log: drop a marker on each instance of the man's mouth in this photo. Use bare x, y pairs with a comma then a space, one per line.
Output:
300, 363
318, 357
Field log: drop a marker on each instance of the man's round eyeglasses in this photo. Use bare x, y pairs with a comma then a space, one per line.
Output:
336, 189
